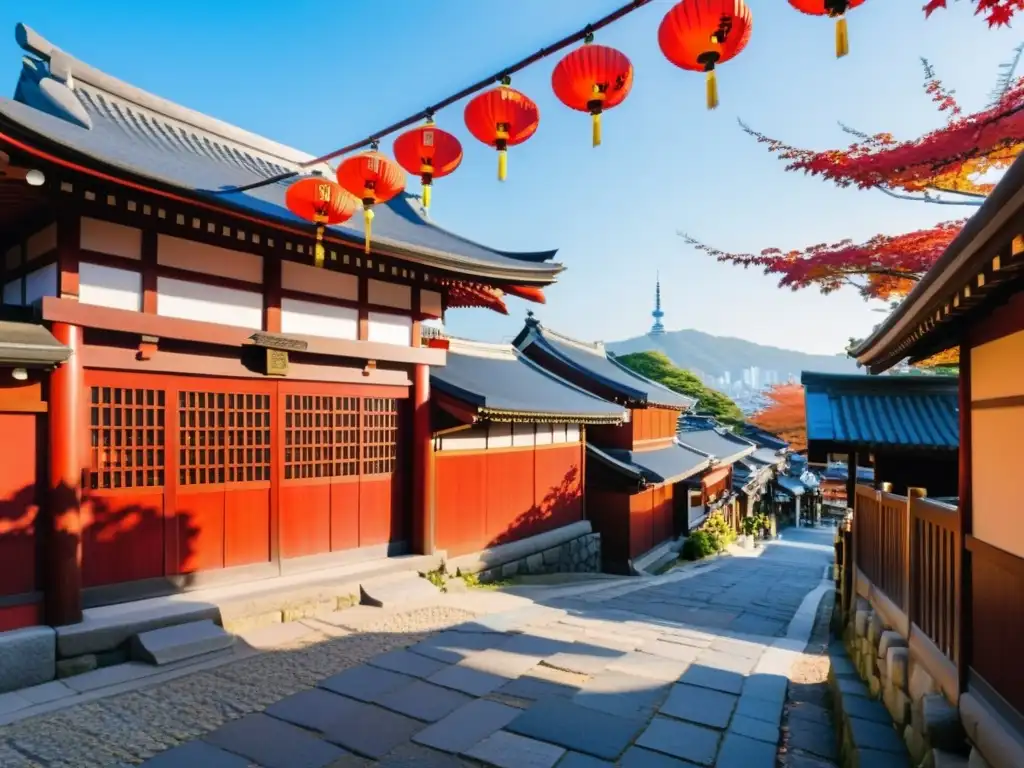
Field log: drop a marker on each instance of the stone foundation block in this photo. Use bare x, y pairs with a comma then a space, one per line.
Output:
938, 758
921, 683
898, 704
535, 563
27, 657
916, 745
896, 661
890, 639
860, 623
942, 727
875, 629
874, 686
79, 665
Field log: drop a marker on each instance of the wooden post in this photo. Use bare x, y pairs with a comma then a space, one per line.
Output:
66, 443
422, 464
962, 651
851, 508
909, 591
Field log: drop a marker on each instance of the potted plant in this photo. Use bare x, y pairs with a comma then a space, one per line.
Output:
751, 530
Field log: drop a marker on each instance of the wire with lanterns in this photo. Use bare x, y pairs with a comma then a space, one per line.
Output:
694, 35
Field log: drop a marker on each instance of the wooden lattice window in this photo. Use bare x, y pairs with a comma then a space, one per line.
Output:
321, 437
380, 435
223, 437
126, 433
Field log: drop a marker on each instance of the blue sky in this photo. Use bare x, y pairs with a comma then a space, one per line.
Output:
318, 75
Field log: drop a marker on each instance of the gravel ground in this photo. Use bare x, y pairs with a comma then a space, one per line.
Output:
129, 728
808, 684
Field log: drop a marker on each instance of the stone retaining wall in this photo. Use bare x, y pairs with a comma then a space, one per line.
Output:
579, 555
928, 724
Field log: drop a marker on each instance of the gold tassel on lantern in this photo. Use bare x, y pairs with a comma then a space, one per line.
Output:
426, 179
502, 164
426, 195
501, 142
318, 250
712, 89
367, 224
842, 38
595, 122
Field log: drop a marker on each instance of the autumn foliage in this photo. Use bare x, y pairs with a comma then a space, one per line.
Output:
784, 415
998, 13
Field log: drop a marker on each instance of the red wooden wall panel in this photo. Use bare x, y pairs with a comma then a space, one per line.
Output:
199, 523
305, 519
608, 512
122, 537
20, 616
18, 503
246, 527
375, 510
486, 498
344, 515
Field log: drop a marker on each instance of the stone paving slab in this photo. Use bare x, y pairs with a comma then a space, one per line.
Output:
452, 647
273, 743
315, 709
754, 729
618, 693
578, 728
682, 740
760, 709
721, 660
510, 750
372, 731
740, 752
366, 683
645, 664
467, 726
584, 659
579, 760
196, 754
638, 757
467, 680
424, 701
768, 687
674, 651
716, 679
541, 682
407, 663
699, 705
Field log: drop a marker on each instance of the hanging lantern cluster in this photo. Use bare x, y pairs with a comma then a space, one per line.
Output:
696, 35
835, 9
699, 35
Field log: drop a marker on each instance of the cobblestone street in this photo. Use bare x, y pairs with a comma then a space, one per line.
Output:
688, 668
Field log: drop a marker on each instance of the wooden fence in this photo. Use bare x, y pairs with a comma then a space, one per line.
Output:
909, 547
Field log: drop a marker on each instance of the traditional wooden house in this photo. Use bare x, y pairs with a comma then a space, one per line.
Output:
903, 426
965, 573
228, 411
510, 447
635, 472
713, 490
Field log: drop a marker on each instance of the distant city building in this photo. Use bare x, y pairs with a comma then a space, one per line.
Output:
657, 329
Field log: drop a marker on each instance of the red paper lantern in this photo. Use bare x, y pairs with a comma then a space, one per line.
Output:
428, 152
501, 118
835, 9
592, 79
700, 34
372, 178
527, 292
322, 202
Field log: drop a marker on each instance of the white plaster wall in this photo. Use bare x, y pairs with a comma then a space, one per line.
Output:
42, 282
389, 329
389, 294
499, 436
107, 237
319, 282
472, 439
209, 259
209, 303
309, 318
523, 435
543, 434
104, 286
558, 433
572, 433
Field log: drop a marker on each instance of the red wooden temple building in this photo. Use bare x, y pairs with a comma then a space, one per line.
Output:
635, 486
227, 410
510, 447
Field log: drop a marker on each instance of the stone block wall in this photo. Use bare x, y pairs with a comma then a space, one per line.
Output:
925, 720
579, 555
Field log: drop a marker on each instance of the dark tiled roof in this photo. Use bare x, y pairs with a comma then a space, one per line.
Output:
704, 434
790, 485
123, 128
594, 362
892, 411
762, 437
671, 464
503, 383
767, 456
28, 345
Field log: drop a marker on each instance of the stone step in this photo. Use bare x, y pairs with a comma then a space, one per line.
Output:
182, 641
389, 591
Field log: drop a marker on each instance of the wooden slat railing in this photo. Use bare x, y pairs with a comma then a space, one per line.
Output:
935, 563
882, 528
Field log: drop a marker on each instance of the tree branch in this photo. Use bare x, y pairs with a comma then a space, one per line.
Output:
933, 200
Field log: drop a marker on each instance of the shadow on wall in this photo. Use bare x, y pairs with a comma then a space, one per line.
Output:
561, 505
118, 543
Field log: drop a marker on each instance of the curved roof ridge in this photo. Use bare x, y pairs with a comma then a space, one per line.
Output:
492, 350
32, 42
593, 347
614, 361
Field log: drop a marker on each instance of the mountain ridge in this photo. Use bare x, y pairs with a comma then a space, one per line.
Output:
714, 356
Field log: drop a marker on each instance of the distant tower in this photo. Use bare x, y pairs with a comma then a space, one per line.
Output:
657, 329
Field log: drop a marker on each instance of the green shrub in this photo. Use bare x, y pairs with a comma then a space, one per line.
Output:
719, 531
697, 546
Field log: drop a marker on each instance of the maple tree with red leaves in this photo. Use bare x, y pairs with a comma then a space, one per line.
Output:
944, 167
784, 415
997, 13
